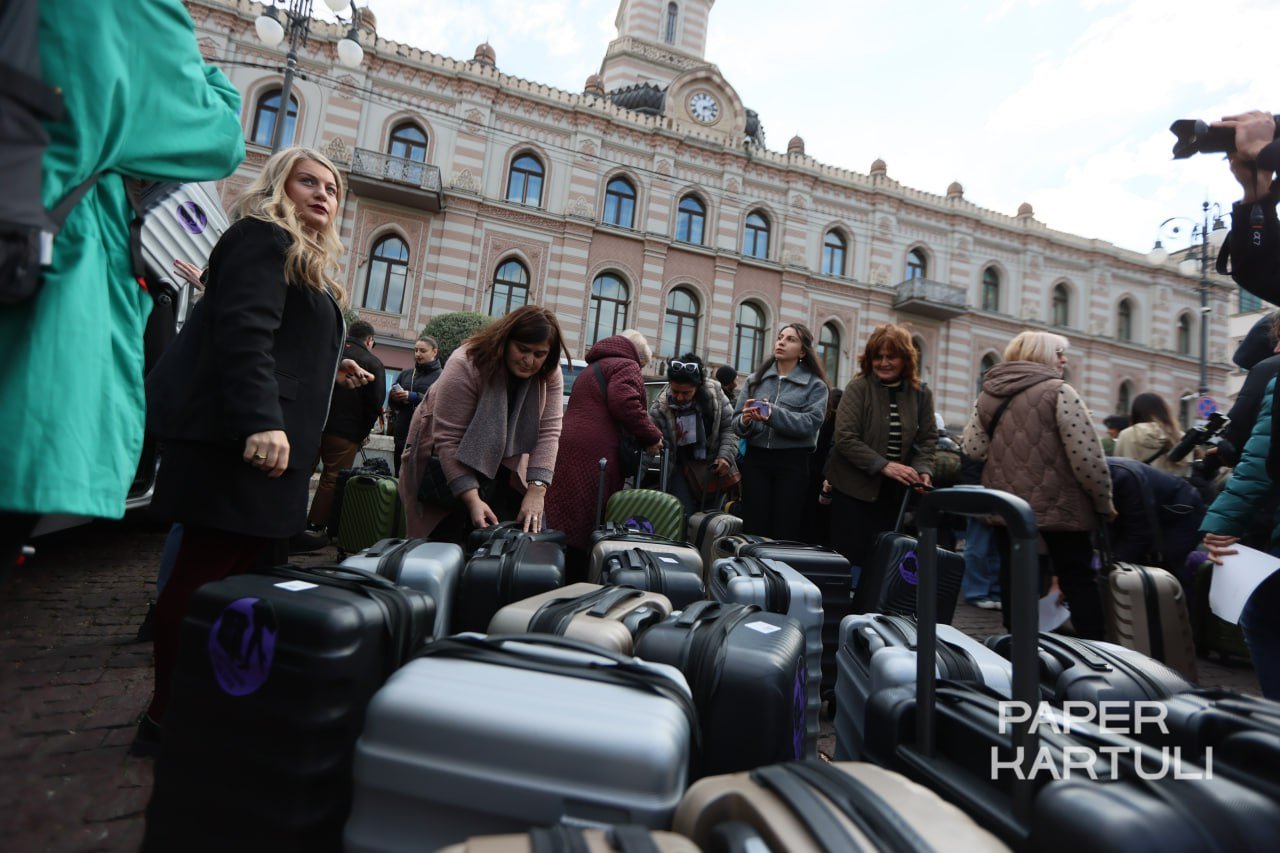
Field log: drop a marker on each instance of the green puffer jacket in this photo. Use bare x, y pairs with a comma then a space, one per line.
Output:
1250, 485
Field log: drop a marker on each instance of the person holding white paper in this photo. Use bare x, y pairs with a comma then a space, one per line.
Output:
1251, 483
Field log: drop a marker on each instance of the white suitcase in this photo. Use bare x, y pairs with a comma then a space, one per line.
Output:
878, 650
491, 735
775, 587
430, 567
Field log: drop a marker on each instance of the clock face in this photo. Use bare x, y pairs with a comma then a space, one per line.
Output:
703, 107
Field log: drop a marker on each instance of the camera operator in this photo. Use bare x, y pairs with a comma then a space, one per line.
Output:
1253, 246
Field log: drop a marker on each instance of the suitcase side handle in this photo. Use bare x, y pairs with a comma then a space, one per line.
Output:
972, 501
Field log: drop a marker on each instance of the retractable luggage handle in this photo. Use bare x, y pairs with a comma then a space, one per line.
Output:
603, 463
976, 501
664, 457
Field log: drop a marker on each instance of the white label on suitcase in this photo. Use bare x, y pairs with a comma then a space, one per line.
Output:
763, 627
296, 586
668, 559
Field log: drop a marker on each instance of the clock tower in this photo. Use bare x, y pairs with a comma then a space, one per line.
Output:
657, 41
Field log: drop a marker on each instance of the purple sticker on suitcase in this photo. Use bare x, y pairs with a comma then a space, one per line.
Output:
192, 217
643, 525
242, 645
799, 705
909, 567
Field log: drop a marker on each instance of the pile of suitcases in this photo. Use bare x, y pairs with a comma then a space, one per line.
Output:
421, 695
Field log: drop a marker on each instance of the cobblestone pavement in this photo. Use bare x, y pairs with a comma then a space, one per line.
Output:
73, 682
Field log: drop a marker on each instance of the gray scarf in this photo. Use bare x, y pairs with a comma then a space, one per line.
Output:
496, 433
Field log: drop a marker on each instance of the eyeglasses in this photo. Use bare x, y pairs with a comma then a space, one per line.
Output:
684, 368
1060, 352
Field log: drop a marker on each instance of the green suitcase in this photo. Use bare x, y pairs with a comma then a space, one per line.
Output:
370, 512
648, 510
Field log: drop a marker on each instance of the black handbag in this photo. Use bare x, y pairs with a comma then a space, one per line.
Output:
629, 449
433, 488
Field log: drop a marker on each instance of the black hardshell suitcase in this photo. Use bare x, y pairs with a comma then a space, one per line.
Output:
888, 581
746, 669
947, 737
501, 572
482, 536
830, 572
1075, 670
654, 571
274, 672
1243, 733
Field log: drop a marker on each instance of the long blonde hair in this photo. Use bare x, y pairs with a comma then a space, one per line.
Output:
312, 258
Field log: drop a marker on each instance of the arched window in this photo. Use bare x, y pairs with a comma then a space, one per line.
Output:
608, 312
524, 183
922, 363
669, 31
755, 236
917, 265
988, 361
408, 142
1124, 399
1124, 320
620, 203
1061, 306
829, 352
690, 219
510, 288
1184, 334
990, 289
266, 114
834, 249
388, 272
680, 323
748, 338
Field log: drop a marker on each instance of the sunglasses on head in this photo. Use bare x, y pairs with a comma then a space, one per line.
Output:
684, 368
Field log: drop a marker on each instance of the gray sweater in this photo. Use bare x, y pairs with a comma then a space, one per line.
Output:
799, 405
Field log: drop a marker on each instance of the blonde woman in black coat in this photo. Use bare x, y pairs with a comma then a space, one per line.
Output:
241, 397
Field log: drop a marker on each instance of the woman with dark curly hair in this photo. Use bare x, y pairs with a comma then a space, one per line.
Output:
487, 435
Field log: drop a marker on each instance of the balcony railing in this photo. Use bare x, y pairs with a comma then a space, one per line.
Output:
930, 298
395, 179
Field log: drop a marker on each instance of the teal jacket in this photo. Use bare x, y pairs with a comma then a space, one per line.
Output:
1250, 485
140, 102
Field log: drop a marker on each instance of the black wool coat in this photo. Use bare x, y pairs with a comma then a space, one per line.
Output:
257, 354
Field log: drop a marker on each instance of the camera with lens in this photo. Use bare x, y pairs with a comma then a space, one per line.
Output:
1197, 137
1210, 433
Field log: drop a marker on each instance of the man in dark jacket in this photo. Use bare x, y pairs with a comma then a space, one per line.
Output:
1158, 516
411, 389
352, 414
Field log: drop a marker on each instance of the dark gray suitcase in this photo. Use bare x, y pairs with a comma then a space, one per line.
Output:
947, 736
483, 536
705, 528
878, 651
747, 671
887, 583
776, 587
673, 573
1074, 670
501, 572
492, 735
430, 567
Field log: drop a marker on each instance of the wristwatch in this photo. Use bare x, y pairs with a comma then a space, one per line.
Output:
542, 483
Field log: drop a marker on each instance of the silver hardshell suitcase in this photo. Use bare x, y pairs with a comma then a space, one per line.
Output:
430, 567
491, 735
775, 587
878, 650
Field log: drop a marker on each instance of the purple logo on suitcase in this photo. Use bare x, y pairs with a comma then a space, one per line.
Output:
242, 645
799, 704
643, 525
909, 567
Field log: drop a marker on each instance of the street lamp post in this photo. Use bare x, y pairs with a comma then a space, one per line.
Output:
297, 24
1201, 241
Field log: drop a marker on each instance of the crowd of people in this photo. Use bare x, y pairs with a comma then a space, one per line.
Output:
244, 399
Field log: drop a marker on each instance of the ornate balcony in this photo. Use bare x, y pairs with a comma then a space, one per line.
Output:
930, 298
397, 180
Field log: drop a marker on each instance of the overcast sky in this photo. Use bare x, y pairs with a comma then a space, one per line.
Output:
1061, 103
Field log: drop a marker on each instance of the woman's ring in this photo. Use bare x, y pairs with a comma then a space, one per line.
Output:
258, 456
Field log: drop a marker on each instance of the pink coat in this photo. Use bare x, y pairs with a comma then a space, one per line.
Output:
446, 425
